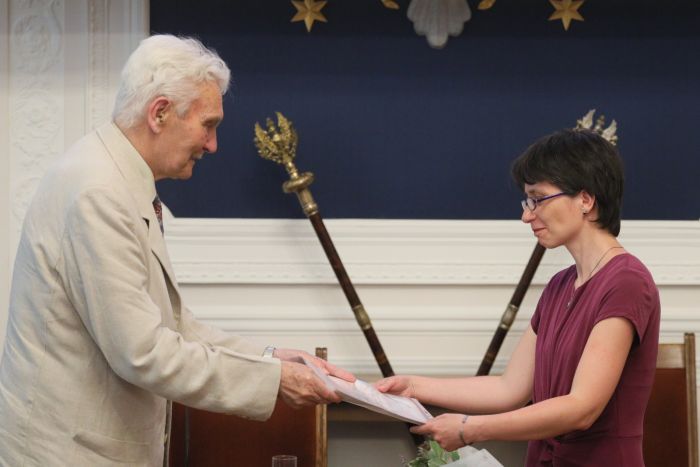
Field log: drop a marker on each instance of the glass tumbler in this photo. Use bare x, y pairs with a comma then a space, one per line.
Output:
284, 460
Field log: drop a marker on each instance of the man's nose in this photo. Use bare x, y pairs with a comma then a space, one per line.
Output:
211, 144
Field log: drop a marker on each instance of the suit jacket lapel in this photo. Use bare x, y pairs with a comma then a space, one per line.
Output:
139, 179
157, 243
158, 247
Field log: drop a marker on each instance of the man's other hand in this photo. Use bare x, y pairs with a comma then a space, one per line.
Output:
292, 355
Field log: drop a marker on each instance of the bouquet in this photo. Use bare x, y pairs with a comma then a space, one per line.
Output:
430, 454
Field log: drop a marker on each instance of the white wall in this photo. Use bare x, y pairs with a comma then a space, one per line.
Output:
59, 65
435, 290
4, 166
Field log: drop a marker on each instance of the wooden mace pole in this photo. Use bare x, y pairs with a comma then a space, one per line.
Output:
511, 311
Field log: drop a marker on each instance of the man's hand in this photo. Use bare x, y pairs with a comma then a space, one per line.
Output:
292, 355
299, 386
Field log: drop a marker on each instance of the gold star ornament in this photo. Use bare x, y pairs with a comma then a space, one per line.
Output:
566, 10
308, 11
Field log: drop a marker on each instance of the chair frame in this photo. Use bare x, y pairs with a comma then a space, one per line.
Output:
320, 451
322, 422
682, 356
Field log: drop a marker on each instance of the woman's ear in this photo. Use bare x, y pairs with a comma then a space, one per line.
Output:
157, 113
587, 202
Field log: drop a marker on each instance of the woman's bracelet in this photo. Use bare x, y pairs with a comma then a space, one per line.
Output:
461, 430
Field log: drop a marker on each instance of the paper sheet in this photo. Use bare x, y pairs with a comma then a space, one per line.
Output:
365, 395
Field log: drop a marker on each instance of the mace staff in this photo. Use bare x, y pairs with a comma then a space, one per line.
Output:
279, 145
511, 311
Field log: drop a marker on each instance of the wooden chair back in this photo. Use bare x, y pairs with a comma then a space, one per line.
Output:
670, 422
206, 439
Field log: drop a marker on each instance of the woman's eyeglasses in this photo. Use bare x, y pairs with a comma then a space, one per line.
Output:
532, 203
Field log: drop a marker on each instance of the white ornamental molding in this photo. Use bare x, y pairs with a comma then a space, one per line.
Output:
98, 96
36, 84
336, 327
286, 251
36, 34
468, 328
468, 320
23, 193
37, 128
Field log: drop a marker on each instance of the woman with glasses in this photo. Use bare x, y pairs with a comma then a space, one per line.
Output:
579, 380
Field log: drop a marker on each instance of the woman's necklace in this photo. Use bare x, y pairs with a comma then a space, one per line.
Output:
573, 292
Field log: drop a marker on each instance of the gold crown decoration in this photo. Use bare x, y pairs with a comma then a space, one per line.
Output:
586, 123
278, 144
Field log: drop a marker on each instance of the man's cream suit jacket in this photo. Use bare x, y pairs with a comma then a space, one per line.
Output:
98, 339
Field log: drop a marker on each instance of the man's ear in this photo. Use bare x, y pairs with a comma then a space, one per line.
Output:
157, 113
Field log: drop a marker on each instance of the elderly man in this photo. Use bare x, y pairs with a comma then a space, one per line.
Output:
98, 339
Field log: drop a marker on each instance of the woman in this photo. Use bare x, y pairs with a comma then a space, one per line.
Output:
587, 360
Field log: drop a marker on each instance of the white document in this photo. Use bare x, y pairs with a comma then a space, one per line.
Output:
365, 395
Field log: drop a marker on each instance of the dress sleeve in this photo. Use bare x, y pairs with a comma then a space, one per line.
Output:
551, 296
535, 320
543, 304
633, 296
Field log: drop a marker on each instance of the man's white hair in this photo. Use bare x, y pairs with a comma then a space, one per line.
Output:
165, 65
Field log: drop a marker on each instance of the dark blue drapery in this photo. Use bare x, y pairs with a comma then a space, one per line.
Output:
395, 129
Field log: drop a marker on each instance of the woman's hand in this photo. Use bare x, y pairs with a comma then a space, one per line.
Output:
445, 429
398, 385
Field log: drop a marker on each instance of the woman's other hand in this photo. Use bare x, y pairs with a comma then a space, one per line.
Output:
451, 431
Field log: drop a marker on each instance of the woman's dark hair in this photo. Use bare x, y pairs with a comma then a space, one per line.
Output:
576, 160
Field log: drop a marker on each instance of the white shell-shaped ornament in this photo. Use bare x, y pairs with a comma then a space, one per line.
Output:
438, 19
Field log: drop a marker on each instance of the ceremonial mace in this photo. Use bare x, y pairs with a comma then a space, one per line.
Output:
584, 123
279, 145
511, 310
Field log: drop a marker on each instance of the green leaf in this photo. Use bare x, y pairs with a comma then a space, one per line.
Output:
430, 454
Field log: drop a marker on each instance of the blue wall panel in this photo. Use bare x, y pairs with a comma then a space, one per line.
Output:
395, 129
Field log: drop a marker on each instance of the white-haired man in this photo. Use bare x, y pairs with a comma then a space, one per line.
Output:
98, 339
